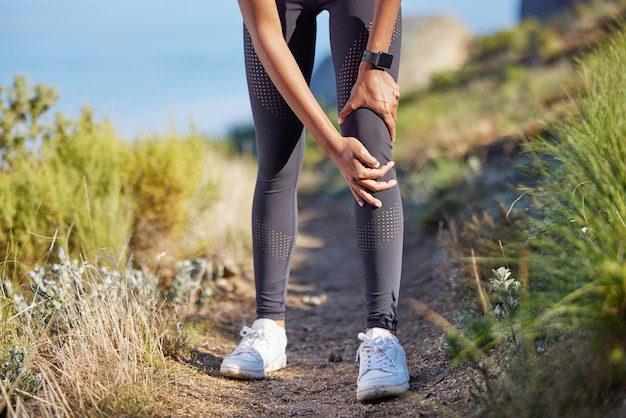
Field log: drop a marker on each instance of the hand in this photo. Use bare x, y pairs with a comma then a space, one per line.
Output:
376, 90
361, 171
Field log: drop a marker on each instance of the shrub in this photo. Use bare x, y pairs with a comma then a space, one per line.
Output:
562, 353
166, 173
78, 183
21, 110
74, 188
91, 335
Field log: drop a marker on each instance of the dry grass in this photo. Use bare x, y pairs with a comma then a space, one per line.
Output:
223, 226
99, 349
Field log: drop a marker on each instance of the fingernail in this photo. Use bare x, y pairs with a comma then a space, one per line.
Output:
393, 182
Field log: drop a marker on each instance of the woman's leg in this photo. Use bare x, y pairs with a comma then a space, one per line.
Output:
280, 145
379, 230
280, 142
383, 369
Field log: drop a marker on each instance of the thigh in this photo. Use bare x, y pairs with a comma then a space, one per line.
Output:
350, 23
277, 129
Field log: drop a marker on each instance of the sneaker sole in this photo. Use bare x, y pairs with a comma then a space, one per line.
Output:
380, 392
236, 372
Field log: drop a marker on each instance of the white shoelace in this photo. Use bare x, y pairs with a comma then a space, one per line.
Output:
249, 337
374, 354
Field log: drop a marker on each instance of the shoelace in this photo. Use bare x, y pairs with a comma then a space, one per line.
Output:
373, 353
249, 336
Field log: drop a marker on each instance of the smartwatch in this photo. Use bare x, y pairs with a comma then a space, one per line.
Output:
380, 60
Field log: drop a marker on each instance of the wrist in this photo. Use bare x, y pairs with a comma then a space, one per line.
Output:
380, 60
364, 66
328, 138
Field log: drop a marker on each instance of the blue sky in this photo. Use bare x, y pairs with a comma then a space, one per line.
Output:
150, 64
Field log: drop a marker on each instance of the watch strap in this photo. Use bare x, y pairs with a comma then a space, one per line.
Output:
380, 60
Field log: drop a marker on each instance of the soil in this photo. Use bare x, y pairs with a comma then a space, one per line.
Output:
326, 311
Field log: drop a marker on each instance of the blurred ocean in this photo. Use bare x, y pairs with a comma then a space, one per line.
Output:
154, 65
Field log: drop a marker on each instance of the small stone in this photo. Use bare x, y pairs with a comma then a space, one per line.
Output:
231, 269
222, 283
308, 328
335, 357
313, 300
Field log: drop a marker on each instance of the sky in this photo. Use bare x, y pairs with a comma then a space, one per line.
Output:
153, 65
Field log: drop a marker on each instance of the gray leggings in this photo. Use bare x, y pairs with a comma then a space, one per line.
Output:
280, 141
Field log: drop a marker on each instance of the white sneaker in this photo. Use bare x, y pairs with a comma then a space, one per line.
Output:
261, 350
382, 372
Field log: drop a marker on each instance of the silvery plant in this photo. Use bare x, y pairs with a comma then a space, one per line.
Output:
507, 290
15, 378
187, 286
59, 295
61, 291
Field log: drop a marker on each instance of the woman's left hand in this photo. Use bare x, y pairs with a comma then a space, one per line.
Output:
376, 90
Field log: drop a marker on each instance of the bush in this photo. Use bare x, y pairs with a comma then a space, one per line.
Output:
90, 336
77, 183
21, 109
166, 174
563, 352
73, 189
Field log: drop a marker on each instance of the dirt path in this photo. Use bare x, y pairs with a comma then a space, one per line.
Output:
326, 312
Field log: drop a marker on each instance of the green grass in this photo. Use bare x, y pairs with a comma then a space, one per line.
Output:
562, 353
453, 122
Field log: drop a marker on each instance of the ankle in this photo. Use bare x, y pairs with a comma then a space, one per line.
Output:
392, 331
280, 322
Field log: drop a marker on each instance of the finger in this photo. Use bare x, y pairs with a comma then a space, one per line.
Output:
357, 196
367, 159
345, 112
378, 186
391, 126
395, 122
367, 197
365, 193
375, 173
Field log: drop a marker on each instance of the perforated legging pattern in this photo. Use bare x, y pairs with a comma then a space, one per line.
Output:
273, 243
346, 76
381, 229
261, 87
280, 144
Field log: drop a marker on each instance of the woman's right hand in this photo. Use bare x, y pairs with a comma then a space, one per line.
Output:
376, 90
361, 171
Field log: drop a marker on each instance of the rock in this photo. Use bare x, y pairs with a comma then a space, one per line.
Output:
314, 300
323, 83
231, 269
429, 46
223, 284
335, 357
546, 9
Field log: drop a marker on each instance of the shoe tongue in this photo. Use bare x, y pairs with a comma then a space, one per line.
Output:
263, 323
375, 333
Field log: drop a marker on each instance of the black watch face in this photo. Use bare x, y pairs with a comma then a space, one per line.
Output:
384, 60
